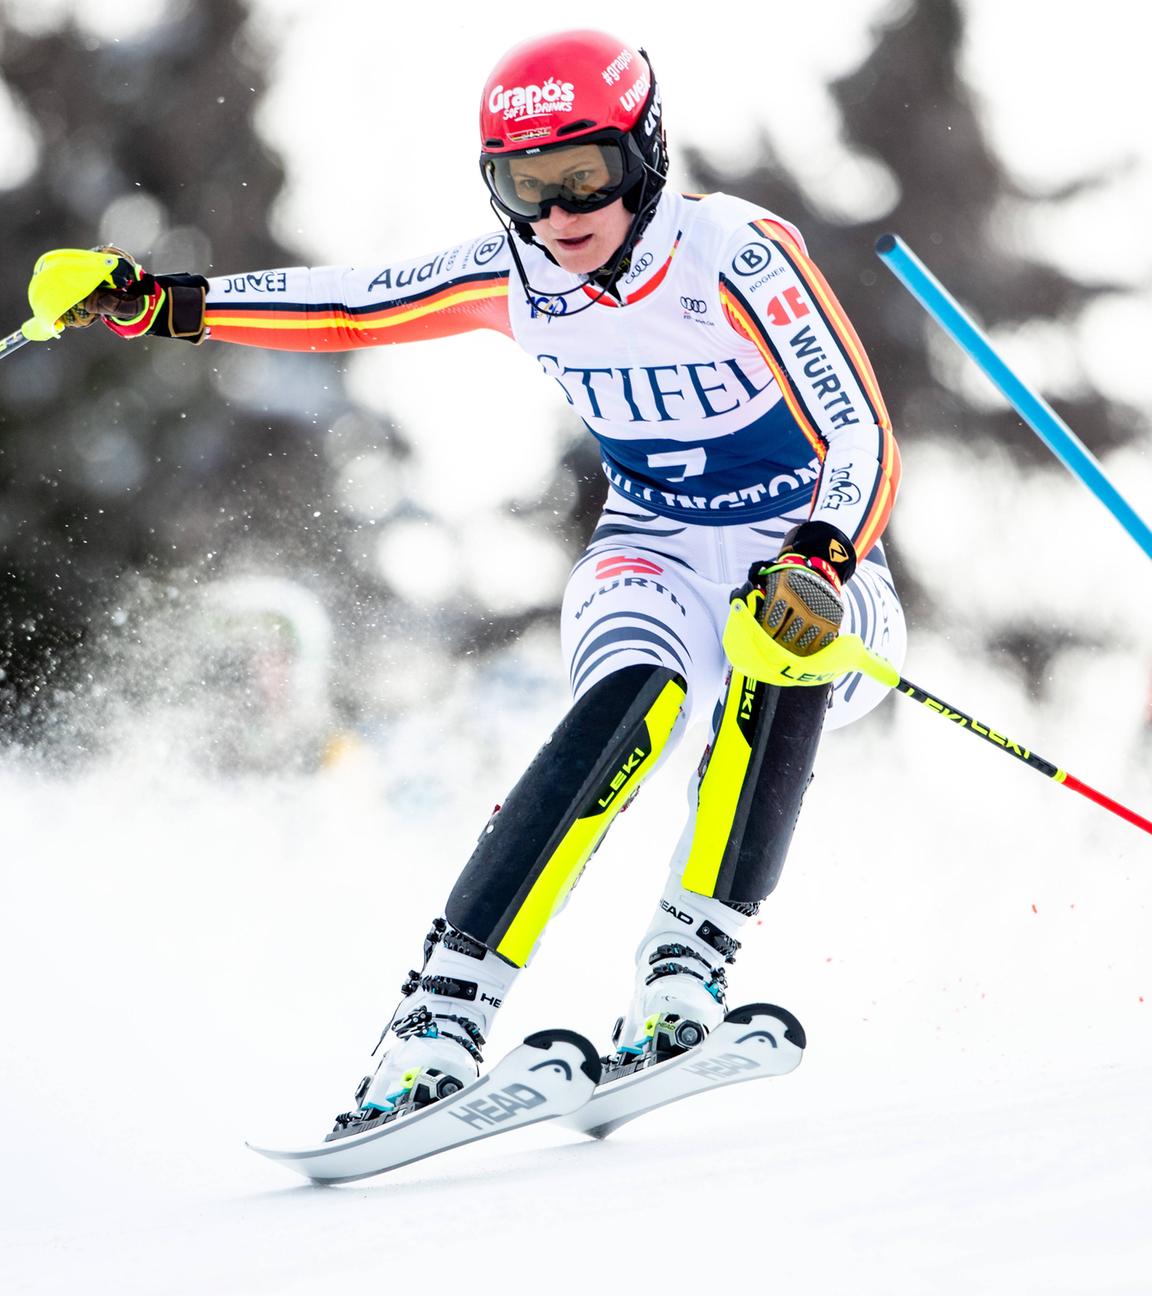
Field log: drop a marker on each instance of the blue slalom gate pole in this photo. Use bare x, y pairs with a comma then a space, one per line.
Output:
1033, 409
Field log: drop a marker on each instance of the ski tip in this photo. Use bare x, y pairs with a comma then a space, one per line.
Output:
271, 1153
794, 1032
546, 1038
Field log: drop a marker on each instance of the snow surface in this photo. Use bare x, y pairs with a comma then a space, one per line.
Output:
189, 963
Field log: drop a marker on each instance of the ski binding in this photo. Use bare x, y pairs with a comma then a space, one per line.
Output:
551, 1074
751, 1042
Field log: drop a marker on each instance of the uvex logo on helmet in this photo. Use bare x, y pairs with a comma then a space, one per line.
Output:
633, 98
532, 100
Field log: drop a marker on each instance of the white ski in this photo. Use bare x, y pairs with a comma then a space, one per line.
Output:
751, 1042
552, 1073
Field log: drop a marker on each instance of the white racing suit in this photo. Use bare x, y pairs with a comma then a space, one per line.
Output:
731, 400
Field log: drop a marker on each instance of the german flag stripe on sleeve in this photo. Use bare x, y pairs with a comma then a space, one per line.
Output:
870, 516
832, 313
477, 301
878, 506
744, 320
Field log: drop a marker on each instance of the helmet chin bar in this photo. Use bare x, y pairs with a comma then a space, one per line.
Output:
643, 212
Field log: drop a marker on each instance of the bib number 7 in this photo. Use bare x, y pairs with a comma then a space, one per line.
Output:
691, 459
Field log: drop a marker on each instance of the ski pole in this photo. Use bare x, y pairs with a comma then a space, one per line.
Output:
760, 657
13, 342
1030, 758
1032, 408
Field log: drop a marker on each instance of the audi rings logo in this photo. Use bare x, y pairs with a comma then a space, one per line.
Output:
640, 266
695, 305
487, 250
751, 259
549, 305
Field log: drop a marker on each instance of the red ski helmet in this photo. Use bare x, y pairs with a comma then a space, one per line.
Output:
573, 87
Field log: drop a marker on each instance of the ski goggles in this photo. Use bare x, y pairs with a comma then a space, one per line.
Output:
578, 177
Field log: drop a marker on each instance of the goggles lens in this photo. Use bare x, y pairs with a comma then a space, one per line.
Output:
579, 177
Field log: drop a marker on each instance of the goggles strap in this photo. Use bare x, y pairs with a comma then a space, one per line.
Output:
640, 220
530, 292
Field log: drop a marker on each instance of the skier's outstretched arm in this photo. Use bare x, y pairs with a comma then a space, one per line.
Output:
327, 308
340, 308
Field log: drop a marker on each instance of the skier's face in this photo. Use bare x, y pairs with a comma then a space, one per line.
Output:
584, 242
580, 241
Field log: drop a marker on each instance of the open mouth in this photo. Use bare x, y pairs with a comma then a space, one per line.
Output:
574, 244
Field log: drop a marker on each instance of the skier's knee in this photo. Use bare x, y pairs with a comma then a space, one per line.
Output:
533, 850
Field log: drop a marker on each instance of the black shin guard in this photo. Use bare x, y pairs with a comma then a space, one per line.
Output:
766, 833
532, 852
750, 792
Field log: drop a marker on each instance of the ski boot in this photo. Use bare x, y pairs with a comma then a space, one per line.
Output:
680, 981
440, 1028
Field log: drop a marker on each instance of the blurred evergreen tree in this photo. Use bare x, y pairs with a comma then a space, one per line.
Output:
152, 456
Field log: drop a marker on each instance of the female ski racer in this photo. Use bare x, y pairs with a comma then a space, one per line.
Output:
746, 445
